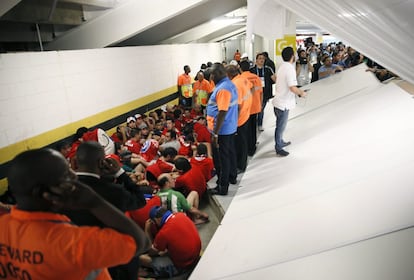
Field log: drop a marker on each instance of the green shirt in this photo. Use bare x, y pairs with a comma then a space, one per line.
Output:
173, 200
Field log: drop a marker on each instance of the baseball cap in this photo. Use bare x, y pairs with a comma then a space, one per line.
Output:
233, 62
131, 119
153, 212
137, 116
164, 108
244, 55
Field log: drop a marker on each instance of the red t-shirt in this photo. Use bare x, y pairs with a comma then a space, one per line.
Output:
115, 138
205, 164
149, 150
192, 180
140, 216
203, 135
180, 236
133, 146
159, 167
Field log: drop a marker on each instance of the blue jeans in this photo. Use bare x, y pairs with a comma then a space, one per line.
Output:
260, 115
281, 121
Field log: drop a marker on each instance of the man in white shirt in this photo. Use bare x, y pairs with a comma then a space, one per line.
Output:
284, 100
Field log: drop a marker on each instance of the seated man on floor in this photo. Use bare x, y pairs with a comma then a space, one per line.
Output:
190, 178
176, 246
176, 202
203, 162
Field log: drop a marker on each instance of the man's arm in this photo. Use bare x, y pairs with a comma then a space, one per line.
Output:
297, 91
75, 195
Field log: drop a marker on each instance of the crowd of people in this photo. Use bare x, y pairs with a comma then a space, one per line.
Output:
129, 202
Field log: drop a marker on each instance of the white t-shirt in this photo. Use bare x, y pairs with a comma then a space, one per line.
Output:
286, 77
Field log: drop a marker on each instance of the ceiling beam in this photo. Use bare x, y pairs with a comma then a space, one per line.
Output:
39, 11
6, 5
185, 20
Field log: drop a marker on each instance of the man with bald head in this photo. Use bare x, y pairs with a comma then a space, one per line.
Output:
38, 243
91, 167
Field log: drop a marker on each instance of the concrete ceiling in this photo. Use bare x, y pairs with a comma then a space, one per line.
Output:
64, 24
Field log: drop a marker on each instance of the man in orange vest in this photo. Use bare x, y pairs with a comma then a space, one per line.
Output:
237, 56
202, 89
185, 87
256, 106
244, 94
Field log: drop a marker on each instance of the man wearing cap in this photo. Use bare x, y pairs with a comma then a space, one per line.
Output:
140, 121
176, 245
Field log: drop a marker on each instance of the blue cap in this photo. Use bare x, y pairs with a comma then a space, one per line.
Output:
153, 212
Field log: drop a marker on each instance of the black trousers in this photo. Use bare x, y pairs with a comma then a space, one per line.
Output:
224, 157
252, 135
241, 145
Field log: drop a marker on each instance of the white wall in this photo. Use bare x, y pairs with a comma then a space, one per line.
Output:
45, 90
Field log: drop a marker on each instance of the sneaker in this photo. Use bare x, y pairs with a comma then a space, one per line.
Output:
261, 128
282, 153
286, 144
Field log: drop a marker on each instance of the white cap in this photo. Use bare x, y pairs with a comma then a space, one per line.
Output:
131, 119
244, 55
233, 62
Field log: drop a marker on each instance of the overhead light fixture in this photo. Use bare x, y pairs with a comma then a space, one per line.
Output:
227, 20
352, 15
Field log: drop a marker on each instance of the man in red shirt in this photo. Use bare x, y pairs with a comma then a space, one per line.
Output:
134, 144
176, 246
190, 178
164, 164
203, 162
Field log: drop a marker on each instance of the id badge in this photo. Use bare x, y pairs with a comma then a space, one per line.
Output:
263, 81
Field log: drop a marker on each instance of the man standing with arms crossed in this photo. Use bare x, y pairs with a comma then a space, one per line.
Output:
222, 116
284, 100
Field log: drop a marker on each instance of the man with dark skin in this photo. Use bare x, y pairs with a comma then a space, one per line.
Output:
222, 116
91, 167
43, 184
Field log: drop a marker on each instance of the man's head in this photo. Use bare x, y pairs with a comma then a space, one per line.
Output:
327, 62
135, 134
90, 157
169, 154
32, 173
159, 215
201, 149
202, 120
131, 122
187, 69
232, 71
218, 72
260, 59
245, 66
287, 54
165, 181
200, 76
182, 164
